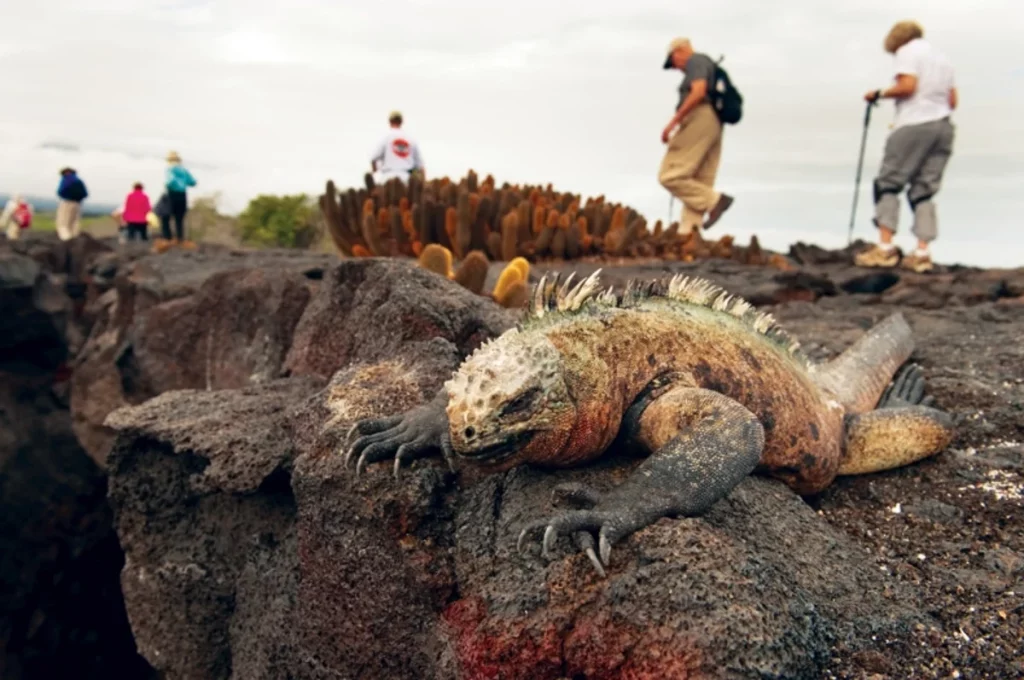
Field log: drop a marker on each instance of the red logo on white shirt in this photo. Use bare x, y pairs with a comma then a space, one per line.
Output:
401, 148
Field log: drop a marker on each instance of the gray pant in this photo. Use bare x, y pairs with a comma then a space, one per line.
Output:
914, 155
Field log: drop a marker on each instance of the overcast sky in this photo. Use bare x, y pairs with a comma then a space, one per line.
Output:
279, 96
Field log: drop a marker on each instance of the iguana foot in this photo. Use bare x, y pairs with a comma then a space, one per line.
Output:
906, 389
904, 428
419, 432
703, 444
610, 521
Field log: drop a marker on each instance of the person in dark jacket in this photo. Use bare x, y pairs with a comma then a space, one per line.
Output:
70, 193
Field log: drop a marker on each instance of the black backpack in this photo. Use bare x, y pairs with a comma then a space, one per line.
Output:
725, 98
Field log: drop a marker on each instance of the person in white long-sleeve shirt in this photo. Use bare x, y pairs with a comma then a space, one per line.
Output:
397, 154
17, 215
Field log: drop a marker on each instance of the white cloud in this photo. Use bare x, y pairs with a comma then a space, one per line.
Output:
276, 97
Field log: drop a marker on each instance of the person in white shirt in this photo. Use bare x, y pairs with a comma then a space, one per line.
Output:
918, 148
17, 215
397, 154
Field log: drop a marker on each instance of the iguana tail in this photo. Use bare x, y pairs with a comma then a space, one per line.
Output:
859, 375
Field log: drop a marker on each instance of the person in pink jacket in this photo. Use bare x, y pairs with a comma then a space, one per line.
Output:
136, 207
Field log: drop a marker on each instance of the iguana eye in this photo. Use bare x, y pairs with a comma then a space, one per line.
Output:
522, 402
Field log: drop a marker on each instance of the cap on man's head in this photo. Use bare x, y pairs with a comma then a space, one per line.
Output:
672, 47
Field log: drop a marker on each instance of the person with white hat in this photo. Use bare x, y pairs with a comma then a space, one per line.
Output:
397, 154
176, 182
694, 138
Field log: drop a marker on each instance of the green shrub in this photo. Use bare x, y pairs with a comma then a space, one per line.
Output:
207, 224
281, 221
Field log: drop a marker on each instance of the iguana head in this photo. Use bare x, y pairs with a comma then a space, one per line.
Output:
508, 403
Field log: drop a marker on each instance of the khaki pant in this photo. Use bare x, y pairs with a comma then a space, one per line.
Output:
69, 219
690, 164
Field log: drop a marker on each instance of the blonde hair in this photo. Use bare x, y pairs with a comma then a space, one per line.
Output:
901, 33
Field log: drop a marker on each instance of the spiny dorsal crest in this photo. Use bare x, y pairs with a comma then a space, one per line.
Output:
548, 296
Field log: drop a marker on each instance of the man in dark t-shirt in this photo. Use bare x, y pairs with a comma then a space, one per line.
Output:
691, 161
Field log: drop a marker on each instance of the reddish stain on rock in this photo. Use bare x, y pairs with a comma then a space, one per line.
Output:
553, 646
600, 648
509, 650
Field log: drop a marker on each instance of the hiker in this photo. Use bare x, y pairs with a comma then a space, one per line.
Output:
397, 155
122, 226
178, 180
162, 210
135, 212
691, 161
70, 193
17, 215
917, 149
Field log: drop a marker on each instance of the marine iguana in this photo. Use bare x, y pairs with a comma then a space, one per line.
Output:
712, 388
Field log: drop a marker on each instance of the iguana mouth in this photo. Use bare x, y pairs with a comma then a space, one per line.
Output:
499, 452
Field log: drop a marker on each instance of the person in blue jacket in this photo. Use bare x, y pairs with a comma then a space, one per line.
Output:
177, 181
70, 193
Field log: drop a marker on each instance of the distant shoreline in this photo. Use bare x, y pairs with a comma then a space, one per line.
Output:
43, 205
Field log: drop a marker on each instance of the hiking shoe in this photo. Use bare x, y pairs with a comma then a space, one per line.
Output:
162, 245
724, 201
918, 262
188, 245
876, 256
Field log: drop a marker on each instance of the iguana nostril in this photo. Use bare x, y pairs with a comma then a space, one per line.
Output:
470, 433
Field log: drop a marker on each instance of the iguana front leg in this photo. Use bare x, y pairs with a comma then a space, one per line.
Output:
419, 432
703, 444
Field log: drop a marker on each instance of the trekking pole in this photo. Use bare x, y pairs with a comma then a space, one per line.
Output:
671, 203
860, 165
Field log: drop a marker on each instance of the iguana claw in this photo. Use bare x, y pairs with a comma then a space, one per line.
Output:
584, 541
405, 437
609, 526
906, 389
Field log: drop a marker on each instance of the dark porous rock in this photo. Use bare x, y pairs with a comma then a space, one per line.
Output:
420, 577
366, 308
34, 315
233, 330
61, 610
200, 486
375, 557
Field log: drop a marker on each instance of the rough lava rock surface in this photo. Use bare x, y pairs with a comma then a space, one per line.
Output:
251, 553
61, 609
420, 578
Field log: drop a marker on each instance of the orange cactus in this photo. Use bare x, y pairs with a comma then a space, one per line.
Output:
618, 219
553, 219
451, 223
581, 222
539, 215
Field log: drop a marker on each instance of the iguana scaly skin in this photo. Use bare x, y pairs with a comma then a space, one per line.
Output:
712, 388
